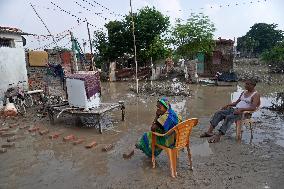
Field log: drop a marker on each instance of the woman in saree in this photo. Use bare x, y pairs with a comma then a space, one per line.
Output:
166, 118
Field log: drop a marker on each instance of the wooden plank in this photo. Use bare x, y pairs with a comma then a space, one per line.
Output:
100, 110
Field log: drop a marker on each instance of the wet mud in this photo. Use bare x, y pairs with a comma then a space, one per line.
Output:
36, 161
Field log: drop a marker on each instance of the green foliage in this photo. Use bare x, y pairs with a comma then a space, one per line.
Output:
260, 38
276, 54
157, 50
101, 44
193, 36
275, 57
247, 45
149, 26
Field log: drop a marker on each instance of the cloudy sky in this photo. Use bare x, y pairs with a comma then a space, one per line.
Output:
232, 18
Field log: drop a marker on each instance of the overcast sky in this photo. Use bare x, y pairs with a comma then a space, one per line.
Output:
232, 18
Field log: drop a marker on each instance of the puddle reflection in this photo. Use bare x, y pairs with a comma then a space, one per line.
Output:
202, 149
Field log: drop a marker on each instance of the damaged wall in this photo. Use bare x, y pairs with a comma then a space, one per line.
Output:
221, 59
48, 78
38, 58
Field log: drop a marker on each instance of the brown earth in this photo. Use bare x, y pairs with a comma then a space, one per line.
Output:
39, 162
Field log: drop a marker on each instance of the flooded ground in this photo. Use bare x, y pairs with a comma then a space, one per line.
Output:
39, 162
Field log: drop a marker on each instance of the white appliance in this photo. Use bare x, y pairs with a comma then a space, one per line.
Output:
77, 95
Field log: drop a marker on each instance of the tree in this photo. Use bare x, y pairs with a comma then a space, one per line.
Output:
193, 36
149, 26
101, 46
157, 50
259, 38
248, 44
275, 57
100, 43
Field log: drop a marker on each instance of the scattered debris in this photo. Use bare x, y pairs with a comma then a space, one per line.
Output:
10, 110
246, 68
8, 145
12, 139
24, 126
7, 134
128, 156
4, 129
43, 132
69, 138
78, 141
107, 148
33, 129
167, 88
13, 126
278, 103
55, 135
91, 145
3, 150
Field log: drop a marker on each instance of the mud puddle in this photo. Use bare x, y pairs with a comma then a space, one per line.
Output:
38, 162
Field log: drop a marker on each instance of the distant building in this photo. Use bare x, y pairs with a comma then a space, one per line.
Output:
12, 58
221, 59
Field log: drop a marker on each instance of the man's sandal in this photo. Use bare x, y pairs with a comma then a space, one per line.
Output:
205, 134
214, 139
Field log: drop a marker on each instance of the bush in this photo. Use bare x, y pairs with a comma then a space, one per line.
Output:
275, 58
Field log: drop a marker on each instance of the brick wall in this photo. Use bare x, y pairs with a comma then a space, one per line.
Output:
43, 78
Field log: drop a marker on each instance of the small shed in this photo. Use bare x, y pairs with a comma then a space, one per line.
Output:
220, 60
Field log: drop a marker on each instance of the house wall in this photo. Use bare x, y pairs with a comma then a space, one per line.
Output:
12, 68
18, 41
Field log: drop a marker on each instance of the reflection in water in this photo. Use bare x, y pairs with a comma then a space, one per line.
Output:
201, 149
265, 100
179, 107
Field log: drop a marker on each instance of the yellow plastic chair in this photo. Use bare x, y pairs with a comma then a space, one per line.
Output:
246, 119
182, 133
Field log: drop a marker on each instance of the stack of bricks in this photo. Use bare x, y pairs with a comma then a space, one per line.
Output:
37, 78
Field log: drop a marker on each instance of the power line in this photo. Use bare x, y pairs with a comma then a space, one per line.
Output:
68, 12
236, 4
43, 23
57, 35
90, 10
49, 45
110, 12
227, 5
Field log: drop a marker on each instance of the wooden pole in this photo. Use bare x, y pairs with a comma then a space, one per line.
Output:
91, 47
74, 51
134, 43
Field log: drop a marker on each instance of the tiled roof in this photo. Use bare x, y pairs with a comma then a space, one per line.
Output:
4, 29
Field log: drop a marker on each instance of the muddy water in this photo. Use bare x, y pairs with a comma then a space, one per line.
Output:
38, 162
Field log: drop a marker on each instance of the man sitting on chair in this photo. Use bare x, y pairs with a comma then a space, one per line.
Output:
249, 100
